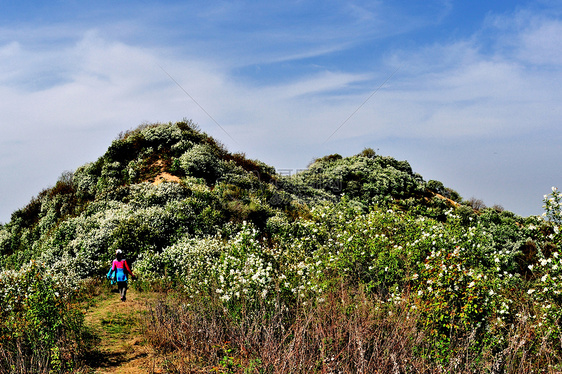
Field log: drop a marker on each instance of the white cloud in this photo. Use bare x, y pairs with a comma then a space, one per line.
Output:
460, 90
93, 87
542, 44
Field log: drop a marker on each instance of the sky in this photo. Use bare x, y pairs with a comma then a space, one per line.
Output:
468, 92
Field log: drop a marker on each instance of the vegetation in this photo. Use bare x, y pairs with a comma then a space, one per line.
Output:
354, 265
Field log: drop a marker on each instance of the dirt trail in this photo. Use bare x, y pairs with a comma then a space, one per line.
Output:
122, 348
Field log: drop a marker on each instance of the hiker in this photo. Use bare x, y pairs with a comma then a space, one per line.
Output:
118, 273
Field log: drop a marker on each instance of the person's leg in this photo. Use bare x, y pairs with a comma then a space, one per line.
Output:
124, 293
122, 289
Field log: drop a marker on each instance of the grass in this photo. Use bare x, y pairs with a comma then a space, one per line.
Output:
350, 332
120, 346
345, 334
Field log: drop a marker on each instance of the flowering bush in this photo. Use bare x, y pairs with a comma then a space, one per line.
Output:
41, 325
545, 294
366, 178
553, 206
245, 270
188, 262
201, 162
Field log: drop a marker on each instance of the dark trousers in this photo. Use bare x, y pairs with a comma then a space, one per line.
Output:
122, 287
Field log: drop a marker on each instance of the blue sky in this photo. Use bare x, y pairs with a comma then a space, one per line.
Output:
467, 92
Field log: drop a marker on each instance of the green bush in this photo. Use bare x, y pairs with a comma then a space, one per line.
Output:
201, 161
553, 206
41, 325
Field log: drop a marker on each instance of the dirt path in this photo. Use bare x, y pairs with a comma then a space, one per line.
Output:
122, 348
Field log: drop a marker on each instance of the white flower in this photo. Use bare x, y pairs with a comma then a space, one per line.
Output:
530, 291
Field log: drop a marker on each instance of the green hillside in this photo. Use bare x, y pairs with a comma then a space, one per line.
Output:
356, 264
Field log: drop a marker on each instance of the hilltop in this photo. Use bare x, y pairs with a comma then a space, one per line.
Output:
160, 182
352, 265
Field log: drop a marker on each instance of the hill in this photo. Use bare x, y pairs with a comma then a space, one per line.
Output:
354, 264
160, 182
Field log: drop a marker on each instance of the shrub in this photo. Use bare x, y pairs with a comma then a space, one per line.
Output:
476, 204
553, 206
368, 152
41, 325
436, 187
201, 161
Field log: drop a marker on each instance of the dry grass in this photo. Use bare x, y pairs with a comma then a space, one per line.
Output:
347, 333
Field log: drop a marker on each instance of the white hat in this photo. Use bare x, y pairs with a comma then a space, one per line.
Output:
118, 252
